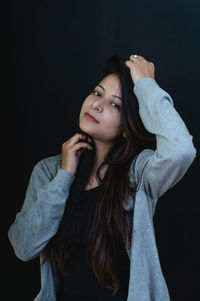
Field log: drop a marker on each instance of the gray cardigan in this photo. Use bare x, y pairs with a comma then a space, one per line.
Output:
49, 186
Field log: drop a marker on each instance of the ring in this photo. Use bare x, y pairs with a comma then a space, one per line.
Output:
135, 56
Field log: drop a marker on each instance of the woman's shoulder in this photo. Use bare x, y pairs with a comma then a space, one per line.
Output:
51, 160
50, 165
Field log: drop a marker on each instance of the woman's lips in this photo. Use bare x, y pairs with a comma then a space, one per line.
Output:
91, 118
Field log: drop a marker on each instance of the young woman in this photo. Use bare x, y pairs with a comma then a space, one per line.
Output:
88, 212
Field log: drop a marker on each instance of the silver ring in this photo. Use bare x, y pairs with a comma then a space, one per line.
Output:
135, 56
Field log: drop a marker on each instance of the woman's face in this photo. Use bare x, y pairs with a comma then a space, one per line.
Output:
106, 109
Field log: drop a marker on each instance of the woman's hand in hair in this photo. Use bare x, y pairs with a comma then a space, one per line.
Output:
71, 152
140, 68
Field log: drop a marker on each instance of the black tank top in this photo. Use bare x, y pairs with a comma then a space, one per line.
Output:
81, 284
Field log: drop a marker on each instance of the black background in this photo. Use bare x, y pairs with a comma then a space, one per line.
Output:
53, 53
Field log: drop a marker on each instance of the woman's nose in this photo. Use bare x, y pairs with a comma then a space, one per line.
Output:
98, 104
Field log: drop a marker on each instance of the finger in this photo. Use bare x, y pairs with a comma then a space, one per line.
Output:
129, 63
74, 139
82, 145
132, 58
135, 59
81, 150
80, 136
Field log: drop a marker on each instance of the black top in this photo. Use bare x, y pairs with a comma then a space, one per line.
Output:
81, 284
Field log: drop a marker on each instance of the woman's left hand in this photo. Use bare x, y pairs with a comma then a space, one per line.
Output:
140, 68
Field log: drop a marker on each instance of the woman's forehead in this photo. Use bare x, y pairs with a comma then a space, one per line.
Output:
112, 85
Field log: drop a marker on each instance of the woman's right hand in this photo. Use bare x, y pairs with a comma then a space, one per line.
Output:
71, 152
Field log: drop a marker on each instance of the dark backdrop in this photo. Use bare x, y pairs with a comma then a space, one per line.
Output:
54, 53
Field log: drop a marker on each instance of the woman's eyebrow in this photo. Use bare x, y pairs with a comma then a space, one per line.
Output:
105, 89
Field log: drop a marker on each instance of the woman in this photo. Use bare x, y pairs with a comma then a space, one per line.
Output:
88, 212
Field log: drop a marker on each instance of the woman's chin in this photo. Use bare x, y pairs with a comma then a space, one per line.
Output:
86, 129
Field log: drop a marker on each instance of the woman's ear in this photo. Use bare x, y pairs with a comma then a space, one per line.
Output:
124, 135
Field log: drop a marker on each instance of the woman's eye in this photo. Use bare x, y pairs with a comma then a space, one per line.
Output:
117, 106
97, 92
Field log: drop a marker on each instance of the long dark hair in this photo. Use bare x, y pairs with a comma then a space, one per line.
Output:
111, 225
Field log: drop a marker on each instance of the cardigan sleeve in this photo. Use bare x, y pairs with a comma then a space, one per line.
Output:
41, 213
162, 168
